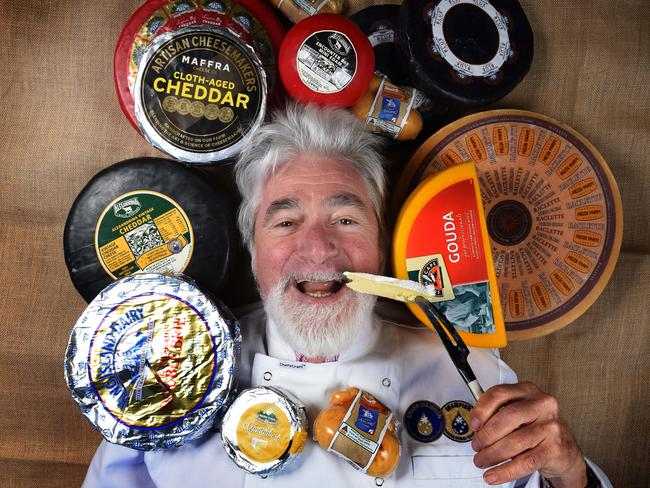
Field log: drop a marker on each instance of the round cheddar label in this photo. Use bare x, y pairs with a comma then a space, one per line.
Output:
199, 91
143, 231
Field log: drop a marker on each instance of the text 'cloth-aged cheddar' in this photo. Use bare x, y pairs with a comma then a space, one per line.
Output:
198, 93
152, 360
252, 21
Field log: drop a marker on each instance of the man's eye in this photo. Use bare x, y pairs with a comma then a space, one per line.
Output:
285, 223
346, 221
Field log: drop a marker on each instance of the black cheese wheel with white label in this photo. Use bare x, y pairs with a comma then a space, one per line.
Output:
150, 215
466, 52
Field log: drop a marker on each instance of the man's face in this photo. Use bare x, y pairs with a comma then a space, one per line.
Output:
315, 221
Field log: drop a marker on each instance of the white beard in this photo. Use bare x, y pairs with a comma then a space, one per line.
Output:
315, 330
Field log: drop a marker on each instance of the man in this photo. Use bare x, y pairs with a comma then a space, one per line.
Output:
313, 188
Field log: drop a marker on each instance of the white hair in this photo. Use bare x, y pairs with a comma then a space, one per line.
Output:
306, 129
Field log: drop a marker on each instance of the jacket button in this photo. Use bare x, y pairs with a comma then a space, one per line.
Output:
268, 376
386, 382
379, 481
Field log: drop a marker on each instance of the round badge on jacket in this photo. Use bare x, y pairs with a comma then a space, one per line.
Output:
457, 417
424, 421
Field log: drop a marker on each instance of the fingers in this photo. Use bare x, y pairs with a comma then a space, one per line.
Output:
506, 420
509, 447
497, 397
548, 447
520, 426
520, 466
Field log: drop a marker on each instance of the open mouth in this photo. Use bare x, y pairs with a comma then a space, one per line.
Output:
319, 289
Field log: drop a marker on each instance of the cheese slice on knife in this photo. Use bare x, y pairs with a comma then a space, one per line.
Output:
442, 224
400, 290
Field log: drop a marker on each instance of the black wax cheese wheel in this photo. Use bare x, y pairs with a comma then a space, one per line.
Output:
468, 52
379, 23
149, 214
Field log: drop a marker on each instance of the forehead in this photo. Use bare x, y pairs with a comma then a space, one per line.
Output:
310, 177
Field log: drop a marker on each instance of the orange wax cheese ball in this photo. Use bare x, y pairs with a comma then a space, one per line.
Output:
387, 457
344, 397
327, 423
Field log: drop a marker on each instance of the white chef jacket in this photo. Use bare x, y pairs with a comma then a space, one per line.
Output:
396, 364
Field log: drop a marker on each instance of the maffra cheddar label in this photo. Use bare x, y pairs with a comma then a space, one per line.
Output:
449, 224
552, 207
327, 61
198, 93
143, 231
151, 360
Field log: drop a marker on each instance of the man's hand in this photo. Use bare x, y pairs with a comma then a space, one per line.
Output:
522, 424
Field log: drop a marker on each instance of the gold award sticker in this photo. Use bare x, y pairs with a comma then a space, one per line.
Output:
152, 360
264, 433
553, 212
143, 231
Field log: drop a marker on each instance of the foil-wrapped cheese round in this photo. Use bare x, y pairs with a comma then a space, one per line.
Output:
264, 430
152, 360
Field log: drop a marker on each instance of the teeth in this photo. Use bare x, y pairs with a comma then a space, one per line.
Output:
318, 294
338, 280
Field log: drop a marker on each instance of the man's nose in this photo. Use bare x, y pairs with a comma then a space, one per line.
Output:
318, 244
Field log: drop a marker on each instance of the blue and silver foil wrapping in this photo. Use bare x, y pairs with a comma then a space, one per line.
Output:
152, 361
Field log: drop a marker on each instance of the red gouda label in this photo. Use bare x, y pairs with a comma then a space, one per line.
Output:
569, 166
549, 150
451, 158
587, 238
516, 303
476, 148
526, 141
589, 212
582, 188
562, 282
500, 136
578, 261
541, 296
